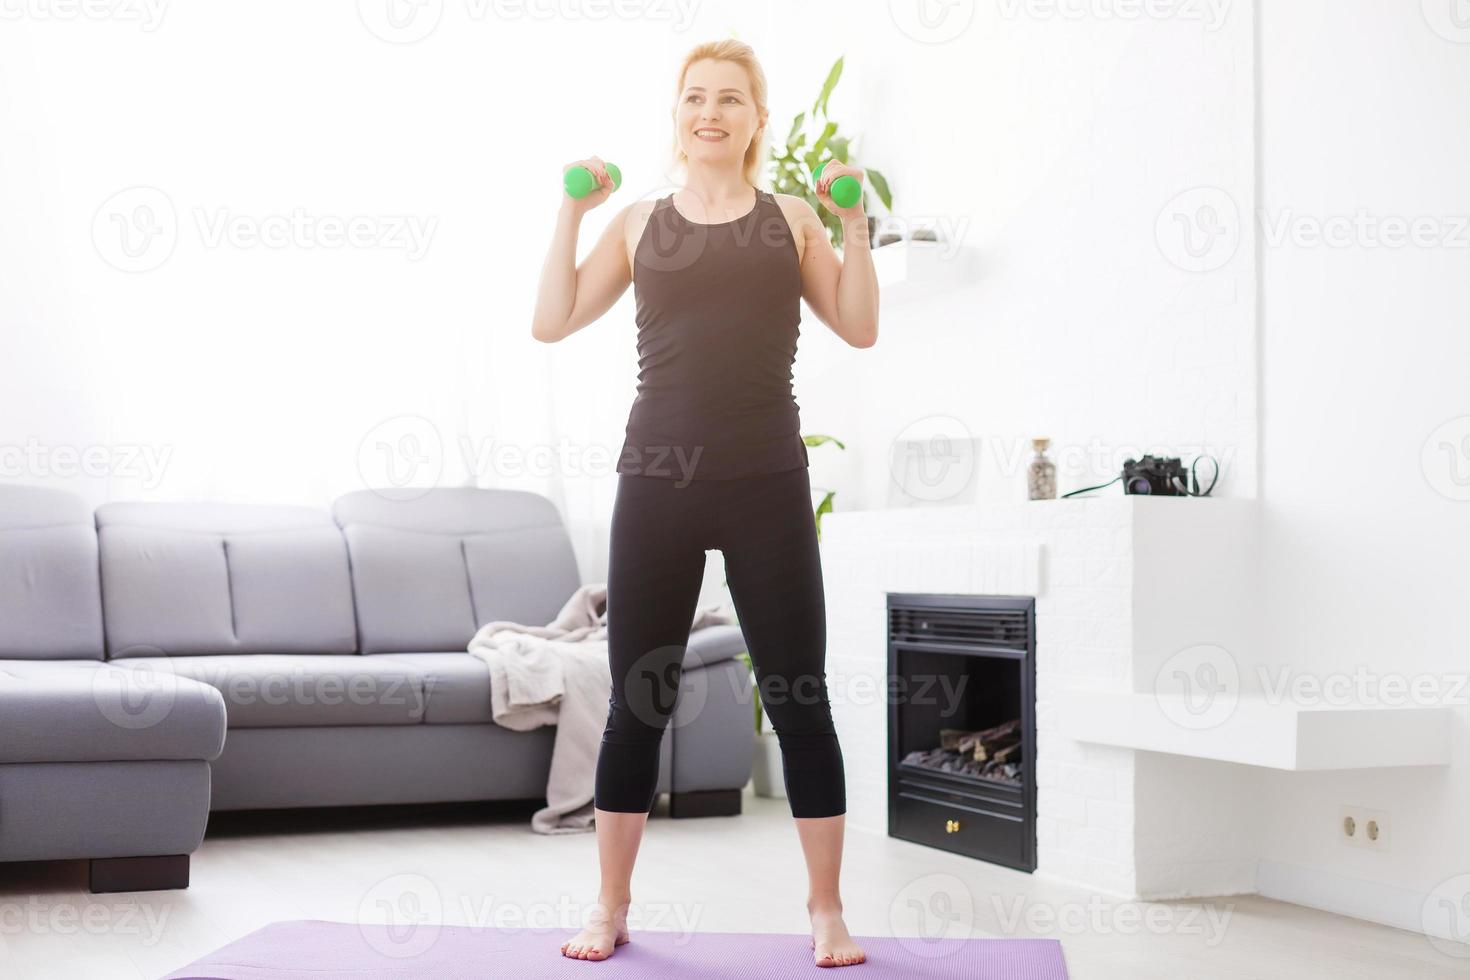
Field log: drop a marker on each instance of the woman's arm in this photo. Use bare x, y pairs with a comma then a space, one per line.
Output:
842, 292
569, 297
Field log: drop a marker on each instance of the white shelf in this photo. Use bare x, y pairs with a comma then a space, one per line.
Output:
909, 270
1262, 733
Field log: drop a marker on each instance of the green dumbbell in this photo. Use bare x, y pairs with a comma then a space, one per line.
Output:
579, 181
845, 190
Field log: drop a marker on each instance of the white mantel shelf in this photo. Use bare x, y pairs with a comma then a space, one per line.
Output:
909, 271
1258, 732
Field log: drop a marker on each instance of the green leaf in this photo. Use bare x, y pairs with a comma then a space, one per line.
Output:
828, 132
880, 186
827, 87
825, 507
838, 146
796, 125
818, 440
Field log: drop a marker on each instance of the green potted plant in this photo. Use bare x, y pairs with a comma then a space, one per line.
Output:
767, 776
814, 140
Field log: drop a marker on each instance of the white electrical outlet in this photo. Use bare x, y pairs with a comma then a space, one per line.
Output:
1360, 827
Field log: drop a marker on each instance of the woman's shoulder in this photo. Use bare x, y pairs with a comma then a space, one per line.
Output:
799, 213
635, 215
796, 208
635, 218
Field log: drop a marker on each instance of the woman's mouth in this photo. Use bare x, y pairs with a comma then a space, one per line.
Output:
711, 135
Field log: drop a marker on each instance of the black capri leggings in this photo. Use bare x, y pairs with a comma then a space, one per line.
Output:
764, 526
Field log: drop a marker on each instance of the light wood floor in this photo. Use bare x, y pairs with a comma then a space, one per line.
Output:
483, 866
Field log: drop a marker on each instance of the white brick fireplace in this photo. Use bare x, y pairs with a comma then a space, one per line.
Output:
1121, 584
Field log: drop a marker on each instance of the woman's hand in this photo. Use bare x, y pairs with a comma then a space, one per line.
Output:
833, 170
598, 169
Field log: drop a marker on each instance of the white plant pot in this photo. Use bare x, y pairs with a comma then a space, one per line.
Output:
768, 777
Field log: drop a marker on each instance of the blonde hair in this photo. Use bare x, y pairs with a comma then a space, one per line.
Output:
743, 55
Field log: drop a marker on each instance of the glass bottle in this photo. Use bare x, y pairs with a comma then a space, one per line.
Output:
1041, 476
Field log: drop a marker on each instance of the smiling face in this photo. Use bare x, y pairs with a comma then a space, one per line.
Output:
716, 118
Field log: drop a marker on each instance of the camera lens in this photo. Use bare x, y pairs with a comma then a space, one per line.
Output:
1139, 485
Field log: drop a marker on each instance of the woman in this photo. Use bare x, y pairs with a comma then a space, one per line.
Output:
713, 458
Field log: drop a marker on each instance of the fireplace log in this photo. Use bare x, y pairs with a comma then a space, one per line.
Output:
983, 744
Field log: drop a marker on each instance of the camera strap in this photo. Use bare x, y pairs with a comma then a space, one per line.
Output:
1194, 478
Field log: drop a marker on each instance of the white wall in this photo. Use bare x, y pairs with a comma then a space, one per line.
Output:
1365, 352
1056, 146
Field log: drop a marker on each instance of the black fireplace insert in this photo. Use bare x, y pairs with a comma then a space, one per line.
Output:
962, 724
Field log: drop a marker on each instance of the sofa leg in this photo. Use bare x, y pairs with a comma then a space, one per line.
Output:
138, 874
705, 803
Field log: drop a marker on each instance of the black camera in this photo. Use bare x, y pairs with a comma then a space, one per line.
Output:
1161, 476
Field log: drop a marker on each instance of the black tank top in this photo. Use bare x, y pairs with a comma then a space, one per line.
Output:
718, 308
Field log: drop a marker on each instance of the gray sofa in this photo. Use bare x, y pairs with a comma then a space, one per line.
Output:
162, 660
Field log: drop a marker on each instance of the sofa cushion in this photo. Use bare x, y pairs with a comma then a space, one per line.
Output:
184, 579
270, 690
457, 684
430, 566
50, 604
91, 711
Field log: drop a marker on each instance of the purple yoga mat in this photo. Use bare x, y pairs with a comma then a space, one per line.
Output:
320, 950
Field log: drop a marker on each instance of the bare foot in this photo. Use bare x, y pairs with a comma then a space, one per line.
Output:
607, 928
831, 944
